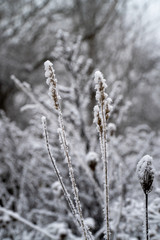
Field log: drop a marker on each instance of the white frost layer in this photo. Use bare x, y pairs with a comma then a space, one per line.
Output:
111, 127
144, 164
43, 118
90, 222
92, 156
98, 75
47, 66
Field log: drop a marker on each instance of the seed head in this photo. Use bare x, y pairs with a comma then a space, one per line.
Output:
52, 82
92, 160
145, 173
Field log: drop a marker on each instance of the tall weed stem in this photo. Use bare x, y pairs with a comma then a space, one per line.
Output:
101, 116
53, 93
146, 217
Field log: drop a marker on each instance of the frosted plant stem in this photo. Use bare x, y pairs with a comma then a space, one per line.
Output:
106, 185
146, 217
66, 194
145, 172
71, 173
101, 115
53, 92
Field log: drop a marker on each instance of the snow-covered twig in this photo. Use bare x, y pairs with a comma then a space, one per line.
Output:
53, 93
101, 116
25, 87
145, 174
66, 194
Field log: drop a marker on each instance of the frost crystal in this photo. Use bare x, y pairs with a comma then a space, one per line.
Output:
43, 118
145, 173
47, 65
98, 75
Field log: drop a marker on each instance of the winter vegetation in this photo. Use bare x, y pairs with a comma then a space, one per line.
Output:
146, 175
79, 154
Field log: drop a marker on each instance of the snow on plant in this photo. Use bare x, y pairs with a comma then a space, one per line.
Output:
52, 82
102, 113
92, 160
66, 194
128, 145
53, 93
145, 174
20, 183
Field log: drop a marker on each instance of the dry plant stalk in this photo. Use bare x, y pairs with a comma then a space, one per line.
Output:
145, 174
101, 116
66, 194
53, 93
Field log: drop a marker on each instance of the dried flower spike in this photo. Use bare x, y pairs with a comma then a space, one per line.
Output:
52, 82
145, 173
101, 115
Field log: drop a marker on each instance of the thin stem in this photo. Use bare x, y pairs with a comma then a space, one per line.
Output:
71, 173
66, 194
33, 98
146, 217
51, 80
105, 162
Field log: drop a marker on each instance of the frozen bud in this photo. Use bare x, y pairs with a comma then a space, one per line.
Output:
90, 223
96, 113
47, 66
100, 81
57, 189
52, 82
145, 173
111, 129
48, 81
63, 234
97, 119
92, 160
43, 118
98, 75
109, 100
96, 109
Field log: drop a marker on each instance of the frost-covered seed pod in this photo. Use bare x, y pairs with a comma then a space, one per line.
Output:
145, 173
52, 82
111, 129
97, 119
92, 160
